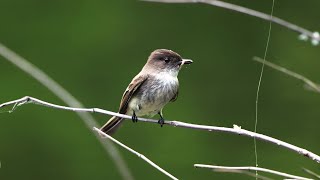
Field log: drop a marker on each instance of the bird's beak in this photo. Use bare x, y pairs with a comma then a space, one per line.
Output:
186, 61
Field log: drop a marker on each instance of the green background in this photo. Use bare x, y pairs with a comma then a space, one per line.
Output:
94, 48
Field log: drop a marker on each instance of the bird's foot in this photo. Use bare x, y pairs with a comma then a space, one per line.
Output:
161, 121
134, 117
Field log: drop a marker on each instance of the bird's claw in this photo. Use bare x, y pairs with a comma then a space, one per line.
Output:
161, 121
134, 117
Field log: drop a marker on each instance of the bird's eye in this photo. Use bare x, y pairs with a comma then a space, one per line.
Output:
166, 59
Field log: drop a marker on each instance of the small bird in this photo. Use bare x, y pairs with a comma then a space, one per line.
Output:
149, 91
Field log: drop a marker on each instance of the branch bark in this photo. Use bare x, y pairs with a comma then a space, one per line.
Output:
235, 130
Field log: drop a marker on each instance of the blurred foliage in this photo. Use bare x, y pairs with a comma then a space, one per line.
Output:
94, 48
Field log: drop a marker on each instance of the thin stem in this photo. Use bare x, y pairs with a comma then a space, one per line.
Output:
258, 88
311, 84
136, 153
67, 98
249, 168
248, 173
250, 12
317, 176
235, 130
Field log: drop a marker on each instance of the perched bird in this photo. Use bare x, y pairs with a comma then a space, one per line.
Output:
151, 89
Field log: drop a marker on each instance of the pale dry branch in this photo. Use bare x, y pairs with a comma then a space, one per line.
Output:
235, 130
135, 152
307, 81
314, 36
67, 98
249, 168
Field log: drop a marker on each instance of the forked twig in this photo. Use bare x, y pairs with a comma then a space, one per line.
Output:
235, 130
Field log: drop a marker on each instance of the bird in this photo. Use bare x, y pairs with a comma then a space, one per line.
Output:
151, 89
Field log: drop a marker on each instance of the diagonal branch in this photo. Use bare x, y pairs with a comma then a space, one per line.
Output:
136, 153
249, 168
67, 98
313, 35
317, 176
235, 130
311, 84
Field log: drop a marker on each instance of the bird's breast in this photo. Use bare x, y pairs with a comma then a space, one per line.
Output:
154, 94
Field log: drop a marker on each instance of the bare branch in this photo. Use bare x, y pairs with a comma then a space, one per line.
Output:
67, 98
235, 130
136, 153
249, 168
312, 35
307, 81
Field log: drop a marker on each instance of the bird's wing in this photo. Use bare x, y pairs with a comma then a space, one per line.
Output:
130, 91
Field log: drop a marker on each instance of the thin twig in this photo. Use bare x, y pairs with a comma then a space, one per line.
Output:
136, 153
235, 130
67, 98
307, 81
249, 168
248, 173
317, 176
251, 12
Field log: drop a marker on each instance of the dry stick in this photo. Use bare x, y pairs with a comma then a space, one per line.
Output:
311, 84
136, 153
249, 168
67, 98
235, 130
251, 12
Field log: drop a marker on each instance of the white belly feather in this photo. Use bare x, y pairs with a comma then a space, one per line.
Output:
156, 94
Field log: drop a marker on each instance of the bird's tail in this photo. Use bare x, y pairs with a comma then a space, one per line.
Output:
112, 125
